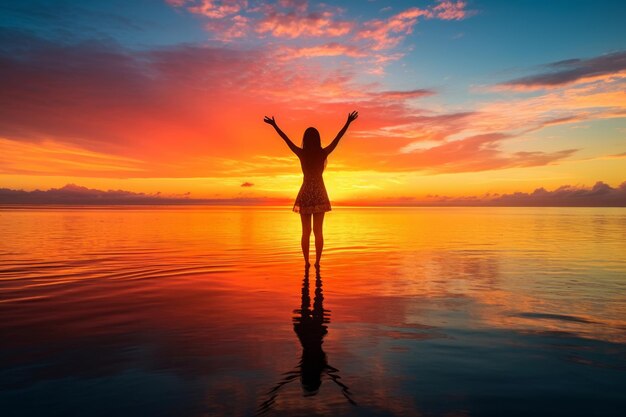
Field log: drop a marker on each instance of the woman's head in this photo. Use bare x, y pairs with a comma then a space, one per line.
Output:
311, 139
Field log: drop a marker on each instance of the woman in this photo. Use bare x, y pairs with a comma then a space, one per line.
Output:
312, 200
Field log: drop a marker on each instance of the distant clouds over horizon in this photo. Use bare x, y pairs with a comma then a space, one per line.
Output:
72, 194
599, 195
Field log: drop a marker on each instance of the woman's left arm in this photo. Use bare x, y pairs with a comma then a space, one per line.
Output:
351, 118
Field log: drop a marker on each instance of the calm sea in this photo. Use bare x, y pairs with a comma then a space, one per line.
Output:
206, 311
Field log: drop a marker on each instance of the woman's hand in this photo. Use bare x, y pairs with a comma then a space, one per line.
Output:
353, 116
270, 121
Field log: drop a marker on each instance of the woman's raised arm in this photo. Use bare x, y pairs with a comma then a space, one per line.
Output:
351, 118
282, 134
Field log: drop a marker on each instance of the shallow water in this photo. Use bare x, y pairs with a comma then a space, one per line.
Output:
197, 311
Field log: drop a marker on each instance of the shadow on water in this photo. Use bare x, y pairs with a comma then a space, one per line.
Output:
310, 325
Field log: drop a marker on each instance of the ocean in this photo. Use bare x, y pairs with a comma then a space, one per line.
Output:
208, 311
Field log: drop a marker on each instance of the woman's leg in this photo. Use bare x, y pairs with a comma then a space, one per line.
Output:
318, 223
306, 235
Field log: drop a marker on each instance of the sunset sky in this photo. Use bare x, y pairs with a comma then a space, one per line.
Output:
455, 98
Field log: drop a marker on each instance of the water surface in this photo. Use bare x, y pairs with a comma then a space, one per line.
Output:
198, 311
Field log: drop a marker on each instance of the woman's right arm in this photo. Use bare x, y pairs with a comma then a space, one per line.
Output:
282, 134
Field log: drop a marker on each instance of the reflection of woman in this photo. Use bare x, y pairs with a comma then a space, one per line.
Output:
310, 326
312, 200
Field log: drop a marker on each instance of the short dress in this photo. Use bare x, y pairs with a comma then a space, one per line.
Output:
312, 197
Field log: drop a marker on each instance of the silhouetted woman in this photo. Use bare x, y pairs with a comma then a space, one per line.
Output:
312, 200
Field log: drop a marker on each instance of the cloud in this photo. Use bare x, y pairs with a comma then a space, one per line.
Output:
601, 194
387, 33
72, 194
368, 44
214, 9
226, 30
450, 10
52, 158
298, 21
569, 104
75, 194
291, 19
247, 184
408, 94
570, 71
328, 49
230, 19
423, 126
475, 153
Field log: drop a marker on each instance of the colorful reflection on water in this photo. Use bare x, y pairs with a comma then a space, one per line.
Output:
193, 311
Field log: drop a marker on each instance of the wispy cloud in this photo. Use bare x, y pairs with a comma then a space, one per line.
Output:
52, 158
296, 19
451, 10
561, 73
281, 19
327, 49
475, 153
409, 94
215, 9
387, 33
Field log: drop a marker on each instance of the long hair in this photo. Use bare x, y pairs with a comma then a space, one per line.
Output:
312, 146
311, 141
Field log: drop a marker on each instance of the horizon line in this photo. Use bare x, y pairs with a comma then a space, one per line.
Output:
338, 205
